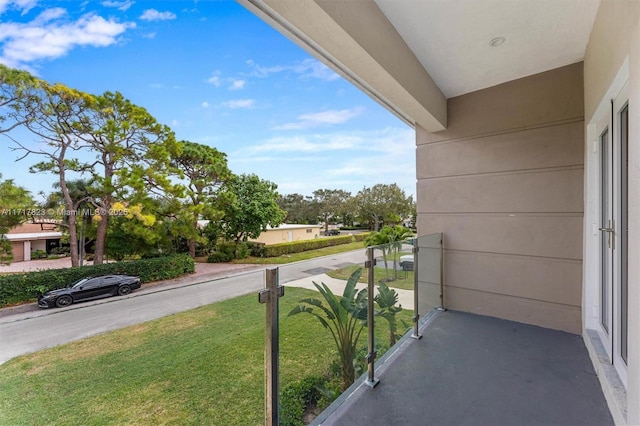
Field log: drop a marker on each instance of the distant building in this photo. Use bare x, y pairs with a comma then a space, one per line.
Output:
29, 237
287, 233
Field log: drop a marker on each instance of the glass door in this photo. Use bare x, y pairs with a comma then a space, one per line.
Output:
613, 300
619, 300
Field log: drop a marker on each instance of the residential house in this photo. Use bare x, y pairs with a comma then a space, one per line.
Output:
29, 237
288, 232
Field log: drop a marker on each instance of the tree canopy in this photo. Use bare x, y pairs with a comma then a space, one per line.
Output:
249, 205
14, 204
383, 202
202, 170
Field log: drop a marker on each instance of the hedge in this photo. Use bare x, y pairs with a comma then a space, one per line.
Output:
23, 287
280, 249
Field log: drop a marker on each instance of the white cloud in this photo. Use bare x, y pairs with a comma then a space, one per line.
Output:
205, 104
308, 68
48, 36
154, 15
306, 121
120, 5
239, 103
311, 68
237, 84
215, 78
390, 142
23, 6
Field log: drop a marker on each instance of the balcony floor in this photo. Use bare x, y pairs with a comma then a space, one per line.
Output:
476, 370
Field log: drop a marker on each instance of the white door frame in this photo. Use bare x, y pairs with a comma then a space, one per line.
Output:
606, 116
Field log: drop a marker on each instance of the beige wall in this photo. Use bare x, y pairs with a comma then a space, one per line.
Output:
17, 248
275, 236
504, 183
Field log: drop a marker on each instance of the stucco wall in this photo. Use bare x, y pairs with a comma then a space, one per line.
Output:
504, 183
275, 236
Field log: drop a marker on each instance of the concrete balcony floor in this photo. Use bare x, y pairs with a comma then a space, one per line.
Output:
476, 370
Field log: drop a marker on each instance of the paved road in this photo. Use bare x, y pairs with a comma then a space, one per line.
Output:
26, 332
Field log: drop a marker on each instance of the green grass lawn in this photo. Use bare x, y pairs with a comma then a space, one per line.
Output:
295, 257
402, 281
200, 367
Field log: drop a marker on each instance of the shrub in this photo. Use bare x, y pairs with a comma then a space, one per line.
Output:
256, 249
297, 397
218, 257
60, 250
23, 287
38, 254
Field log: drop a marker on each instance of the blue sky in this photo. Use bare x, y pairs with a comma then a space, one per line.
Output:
217, 75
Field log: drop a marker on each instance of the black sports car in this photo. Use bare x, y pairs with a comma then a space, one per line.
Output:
88, 289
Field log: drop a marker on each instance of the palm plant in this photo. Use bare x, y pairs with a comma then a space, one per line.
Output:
396, 235
344, 317
386, 300
390, 239
379, 238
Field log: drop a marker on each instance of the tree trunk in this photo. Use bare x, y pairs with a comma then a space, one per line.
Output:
192, 248
101, 236
71, 215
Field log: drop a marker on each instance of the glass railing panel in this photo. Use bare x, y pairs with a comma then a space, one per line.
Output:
393, 293
316, 364
429, 270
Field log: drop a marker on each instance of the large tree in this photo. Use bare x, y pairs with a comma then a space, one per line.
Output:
53, 114
249, 205
132, 156
382, 202
330, 202
14, 204
299, 208
202, 170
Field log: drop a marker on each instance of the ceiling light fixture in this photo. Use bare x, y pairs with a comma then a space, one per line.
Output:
497, 41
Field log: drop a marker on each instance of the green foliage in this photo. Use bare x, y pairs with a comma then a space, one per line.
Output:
383, 202
13, 202
300, 209
38, 254
218, 257
343, 316
256, 248
330, 202
201, 170
297, 397
387, 299
249, 205
389, 240
23, 287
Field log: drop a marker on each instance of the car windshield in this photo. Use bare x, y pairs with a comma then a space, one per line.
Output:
78, 283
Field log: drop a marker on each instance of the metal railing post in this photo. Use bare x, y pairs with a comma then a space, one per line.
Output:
416, 301
270, 296
371, 356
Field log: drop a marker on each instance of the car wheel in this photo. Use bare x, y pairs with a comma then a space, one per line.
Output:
124, 290
63, 301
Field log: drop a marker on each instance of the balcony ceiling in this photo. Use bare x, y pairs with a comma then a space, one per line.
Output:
451, 39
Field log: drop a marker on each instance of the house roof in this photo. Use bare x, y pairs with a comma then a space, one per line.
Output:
286, 226
33, 231
26, 236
